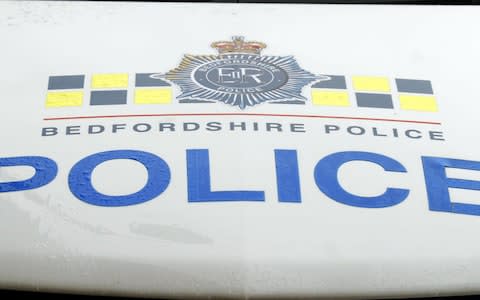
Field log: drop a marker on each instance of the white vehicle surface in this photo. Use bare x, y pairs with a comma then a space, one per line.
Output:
184, 150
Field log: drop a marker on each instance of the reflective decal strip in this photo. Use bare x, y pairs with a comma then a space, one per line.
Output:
113, 97
414, 86
61, 99
153, 96
330, 98
100, 81
373, 84
374, 100
66, 82
418, 103
331, 92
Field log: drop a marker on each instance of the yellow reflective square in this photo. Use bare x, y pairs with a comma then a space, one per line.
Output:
418, 103
374, 84
153, 96
100, 81
330, 98
61, 99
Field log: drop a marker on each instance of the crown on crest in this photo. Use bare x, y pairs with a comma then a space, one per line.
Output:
238, 45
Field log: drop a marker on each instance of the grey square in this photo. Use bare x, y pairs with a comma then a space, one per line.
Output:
374, 100
414, 86
108, 97
66, 82
144, 79
335, 82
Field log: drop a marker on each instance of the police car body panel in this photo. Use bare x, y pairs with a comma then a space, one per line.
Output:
239, 150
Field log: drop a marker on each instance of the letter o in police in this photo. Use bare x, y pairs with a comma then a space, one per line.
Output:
80, 178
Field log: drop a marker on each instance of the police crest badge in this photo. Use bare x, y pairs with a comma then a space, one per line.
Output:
240, 76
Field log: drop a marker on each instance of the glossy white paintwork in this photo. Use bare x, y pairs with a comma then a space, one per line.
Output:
51, 241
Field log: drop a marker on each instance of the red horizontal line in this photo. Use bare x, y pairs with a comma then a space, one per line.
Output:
240, 114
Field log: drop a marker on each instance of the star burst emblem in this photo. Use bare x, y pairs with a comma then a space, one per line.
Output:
240, 76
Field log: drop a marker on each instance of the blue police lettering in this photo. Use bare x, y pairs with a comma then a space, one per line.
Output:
80, 178
437, 184
326, 177
287, 179
199, 189
45, 171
